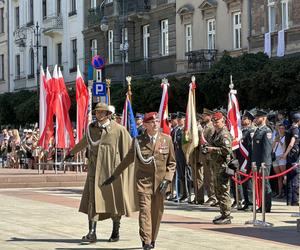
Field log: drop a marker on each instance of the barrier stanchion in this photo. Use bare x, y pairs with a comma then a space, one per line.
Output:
254, 171
263, 223
297, 214
237, 196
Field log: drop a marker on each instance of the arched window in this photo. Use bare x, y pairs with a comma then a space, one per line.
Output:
31, 62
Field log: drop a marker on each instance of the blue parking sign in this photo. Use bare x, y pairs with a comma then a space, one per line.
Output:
99, 89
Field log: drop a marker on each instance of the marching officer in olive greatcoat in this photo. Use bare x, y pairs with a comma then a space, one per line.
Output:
108, 143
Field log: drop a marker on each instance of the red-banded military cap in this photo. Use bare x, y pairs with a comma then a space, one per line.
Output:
150, 116
217, 116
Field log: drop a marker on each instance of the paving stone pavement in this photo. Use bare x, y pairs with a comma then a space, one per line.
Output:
48, 218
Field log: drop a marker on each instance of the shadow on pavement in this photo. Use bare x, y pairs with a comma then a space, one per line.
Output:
186, 222
285, 235
101, 248
70, 241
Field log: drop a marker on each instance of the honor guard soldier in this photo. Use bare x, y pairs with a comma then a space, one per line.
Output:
153, 154
221, 153
261, 152
243, 155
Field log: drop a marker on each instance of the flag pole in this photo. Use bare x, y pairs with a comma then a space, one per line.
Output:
108, 82
129, 93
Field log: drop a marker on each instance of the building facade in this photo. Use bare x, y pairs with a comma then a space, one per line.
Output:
207, 28
135, 37
275, 27
4, 87
46, 32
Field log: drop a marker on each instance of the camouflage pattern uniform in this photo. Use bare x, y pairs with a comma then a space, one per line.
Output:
221, 154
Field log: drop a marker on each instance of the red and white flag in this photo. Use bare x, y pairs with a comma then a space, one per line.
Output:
234, 119
163, 109
82, 98
46, 109
124, 120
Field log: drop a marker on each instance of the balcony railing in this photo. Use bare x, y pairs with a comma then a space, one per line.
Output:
94, 16
201, 60
138, 6
52, 23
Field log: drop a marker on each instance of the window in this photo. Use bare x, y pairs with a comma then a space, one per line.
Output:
164, 37
18, 67
74, 53
2, 67
124, 45
72, 8
284, 14
237, 26
59, 54
17, 18
272, 15
93, 4
45, 56
146, 40
94, 47
44, 9
188, 38
58, 7
1, 20
109, 1
110, 46
211, 33
30, 13
31, 64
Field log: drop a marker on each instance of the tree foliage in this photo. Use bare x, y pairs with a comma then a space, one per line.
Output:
259, 81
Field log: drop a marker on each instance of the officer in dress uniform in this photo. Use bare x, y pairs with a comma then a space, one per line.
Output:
139, 123
221, 153
261, 152
153, 154
245, 164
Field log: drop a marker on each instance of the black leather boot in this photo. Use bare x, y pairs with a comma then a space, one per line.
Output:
115, 236
91, 236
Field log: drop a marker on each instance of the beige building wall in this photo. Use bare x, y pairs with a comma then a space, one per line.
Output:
197, 13
4, 50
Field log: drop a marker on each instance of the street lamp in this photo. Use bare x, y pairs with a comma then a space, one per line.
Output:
21, 37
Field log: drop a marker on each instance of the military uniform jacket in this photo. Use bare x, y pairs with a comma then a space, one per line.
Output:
208, 131
149, 176
262, 146
222, 141
120, 196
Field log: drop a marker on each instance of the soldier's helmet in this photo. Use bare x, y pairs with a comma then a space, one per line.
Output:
103, 107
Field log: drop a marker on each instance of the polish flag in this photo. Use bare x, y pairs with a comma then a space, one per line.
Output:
163, 109
234, 119
46, 109
82, 98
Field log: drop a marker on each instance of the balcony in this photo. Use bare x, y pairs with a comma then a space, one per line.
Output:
53, 25
138, 9
94, 16
201, 60
20, 36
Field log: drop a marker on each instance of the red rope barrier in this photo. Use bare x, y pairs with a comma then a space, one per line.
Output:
280, 174
242, 181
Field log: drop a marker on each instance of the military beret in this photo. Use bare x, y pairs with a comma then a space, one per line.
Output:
150, 116
207, 112
217, 116
180, 115
260, 113
248, 115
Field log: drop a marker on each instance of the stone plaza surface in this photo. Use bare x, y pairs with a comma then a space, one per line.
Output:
48, 218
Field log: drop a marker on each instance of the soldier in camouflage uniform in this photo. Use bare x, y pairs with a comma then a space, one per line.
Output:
221, 152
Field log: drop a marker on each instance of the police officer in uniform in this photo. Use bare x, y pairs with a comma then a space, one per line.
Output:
261, 152
154, 158
221, 153
244, 161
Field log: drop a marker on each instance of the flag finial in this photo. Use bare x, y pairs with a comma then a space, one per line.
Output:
231, 85
193, 78
128, 79
164, 81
